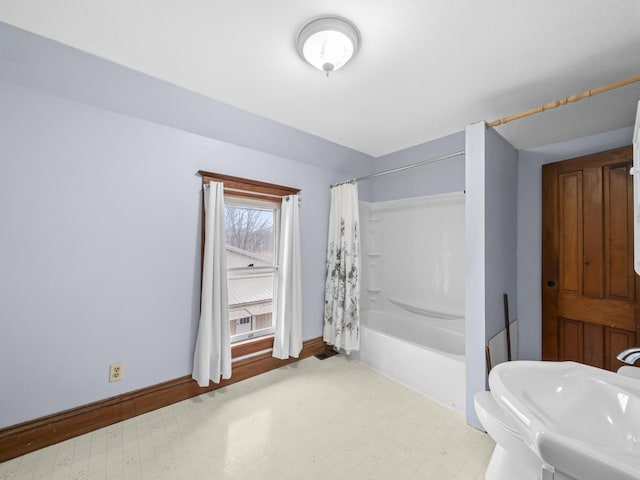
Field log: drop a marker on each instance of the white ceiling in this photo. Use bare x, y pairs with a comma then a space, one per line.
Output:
426, 68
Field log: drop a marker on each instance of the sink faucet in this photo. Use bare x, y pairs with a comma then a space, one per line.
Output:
630, 355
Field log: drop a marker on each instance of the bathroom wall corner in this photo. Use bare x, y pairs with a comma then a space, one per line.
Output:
474, 265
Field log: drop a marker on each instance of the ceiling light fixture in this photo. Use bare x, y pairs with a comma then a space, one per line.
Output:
328, 43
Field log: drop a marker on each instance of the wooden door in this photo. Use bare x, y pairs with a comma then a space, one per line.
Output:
589, 288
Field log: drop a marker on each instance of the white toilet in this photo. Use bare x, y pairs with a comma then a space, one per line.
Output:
512, 458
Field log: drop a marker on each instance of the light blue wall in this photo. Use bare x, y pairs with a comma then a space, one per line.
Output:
100, 236
530, 227
490, 229
40, 64
501, 231
441, 177
475, 268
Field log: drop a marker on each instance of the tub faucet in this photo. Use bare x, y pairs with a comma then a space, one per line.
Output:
630, 355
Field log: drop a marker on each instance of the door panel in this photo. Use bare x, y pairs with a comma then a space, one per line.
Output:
605, 312
571, 232
571, 339
593, 345
593, 234
616, 341
618, 227
588, 283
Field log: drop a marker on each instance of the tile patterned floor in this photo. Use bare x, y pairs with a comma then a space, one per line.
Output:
330, 419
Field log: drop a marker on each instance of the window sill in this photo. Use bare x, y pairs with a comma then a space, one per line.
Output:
251, 346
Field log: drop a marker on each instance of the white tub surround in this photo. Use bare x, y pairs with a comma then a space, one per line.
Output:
442, 314
418, 352
413, 320
413, 254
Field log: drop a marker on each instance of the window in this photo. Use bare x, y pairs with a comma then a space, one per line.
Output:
252, 224
251, 229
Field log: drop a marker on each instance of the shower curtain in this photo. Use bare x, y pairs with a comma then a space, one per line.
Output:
342, 287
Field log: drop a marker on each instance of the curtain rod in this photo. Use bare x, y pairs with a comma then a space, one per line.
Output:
251, 192
238, 190
259, 194
399, 169
564, 101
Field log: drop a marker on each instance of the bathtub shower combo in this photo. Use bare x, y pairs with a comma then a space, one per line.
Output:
412, 294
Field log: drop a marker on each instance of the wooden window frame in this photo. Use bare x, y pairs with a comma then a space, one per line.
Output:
252, 189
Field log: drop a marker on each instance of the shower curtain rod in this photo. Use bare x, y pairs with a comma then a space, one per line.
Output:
502, 121
399, 169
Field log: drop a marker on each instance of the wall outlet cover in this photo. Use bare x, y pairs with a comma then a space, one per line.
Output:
115, 372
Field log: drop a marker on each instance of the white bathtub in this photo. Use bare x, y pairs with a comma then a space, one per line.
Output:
419, 352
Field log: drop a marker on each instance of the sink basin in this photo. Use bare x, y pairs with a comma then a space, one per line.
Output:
583, 421
629, 371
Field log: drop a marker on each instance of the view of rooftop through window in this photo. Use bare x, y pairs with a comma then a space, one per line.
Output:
250, 228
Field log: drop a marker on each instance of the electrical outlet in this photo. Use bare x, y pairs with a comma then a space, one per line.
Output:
115, 372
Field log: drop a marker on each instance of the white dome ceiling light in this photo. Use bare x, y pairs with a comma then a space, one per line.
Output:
328, 43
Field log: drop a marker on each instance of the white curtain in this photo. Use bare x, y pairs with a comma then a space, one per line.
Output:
288, 304
212, 357
342, 287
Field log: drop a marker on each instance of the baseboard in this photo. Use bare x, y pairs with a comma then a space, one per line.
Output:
26, 437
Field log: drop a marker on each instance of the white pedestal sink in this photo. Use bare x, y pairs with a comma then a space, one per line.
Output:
561, 420
629, 371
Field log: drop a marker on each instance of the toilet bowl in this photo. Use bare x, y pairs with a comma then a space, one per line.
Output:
512, 458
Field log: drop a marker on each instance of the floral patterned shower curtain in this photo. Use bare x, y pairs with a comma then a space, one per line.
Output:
342, 287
